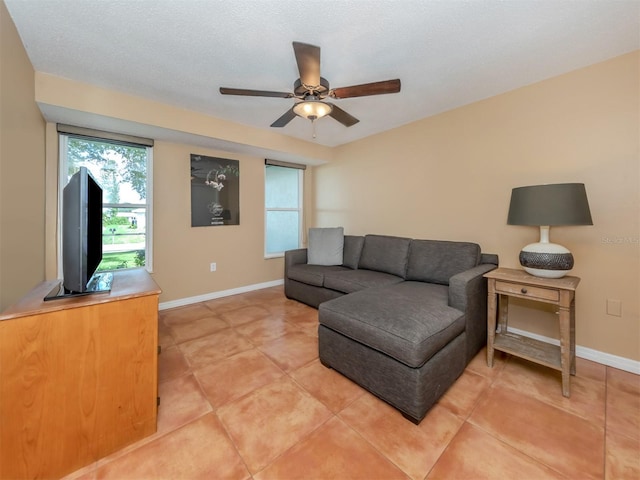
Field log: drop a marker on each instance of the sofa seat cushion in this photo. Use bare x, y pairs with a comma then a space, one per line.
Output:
408, 321
349, 281
312, 274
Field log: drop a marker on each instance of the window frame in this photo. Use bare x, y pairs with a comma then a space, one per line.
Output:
299, 209
106, 137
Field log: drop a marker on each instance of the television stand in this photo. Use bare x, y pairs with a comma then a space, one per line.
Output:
99, 283
78, 377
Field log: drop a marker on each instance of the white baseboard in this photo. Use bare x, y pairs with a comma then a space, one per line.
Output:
608, 359
213, 295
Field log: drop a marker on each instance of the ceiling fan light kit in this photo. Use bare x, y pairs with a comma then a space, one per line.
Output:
312, 109
311, 89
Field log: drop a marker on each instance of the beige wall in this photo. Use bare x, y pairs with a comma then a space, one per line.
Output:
450, 177
21, 170
446, 177
110, 109
182, 254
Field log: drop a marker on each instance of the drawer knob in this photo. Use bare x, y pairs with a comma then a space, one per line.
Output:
523, 290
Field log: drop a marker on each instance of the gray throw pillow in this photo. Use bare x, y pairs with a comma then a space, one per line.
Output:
326, 246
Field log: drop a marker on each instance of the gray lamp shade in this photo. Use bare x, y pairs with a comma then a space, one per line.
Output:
558, 204
544, 206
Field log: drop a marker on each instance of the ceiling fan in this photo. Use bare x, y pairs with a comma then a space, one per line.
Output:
311, 90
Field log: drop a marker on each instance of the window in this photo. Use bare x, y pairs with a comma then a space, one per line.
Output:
123, 170
283, 207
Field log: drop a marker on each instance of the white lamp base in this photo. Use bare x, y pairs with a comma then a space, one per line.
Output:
545, 259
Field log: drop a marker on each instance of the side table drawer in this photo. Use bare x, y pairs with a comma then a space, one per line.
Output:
527, 291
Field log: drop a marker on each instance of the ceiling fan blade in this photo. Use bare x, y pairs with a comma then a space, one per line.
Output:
308, 59
343, 117
284, 119
375, 88
254, 93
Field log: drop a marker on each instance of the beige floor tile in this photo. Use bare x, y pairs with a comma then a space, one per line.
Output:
263, 295
245, 314
479, 365
310, 330
214, 348
188, 313
291, 351
474, 454
190, 329
199, 450
565, 442
225, 304
587, 398
623, 381
284, 306
623, 457
171, 364
334, 390
165, 339
623, 411
270, 420
181, 401
591, 370
414, 448
333, 451
236, 376
304, 318
265, 330
311, 422
271, 295
463, 395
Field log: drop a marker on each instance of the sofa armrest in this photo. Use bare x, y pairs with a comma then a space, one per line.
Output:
294, 257
468, 293
466, 284
489, 258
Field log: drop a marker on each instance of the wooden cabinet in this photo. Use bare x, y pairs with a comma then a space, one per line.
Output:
507, 282
78, 376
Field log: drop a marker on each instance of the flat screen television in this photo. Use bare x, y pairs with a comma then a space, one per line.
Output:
82, 238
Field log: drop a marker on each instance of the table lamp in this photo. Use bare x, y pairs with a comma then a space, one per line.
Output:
544, 206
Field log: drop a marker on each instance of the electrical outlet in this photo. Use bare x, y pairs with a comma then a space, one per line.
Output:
212, 267
614, 307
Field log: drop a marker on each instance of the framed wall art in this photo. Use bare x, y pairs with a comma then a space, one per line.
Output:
215, 191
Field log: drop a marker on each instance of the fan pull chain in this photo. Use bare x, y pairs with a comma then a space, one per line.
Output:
313, 126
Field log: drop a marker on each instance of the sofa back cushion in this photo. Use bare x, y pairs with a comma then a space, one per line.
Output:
387, 254
436, 261
352, 250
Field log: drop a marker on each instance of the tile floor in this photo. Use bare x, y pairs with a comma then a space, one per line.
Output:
244, 396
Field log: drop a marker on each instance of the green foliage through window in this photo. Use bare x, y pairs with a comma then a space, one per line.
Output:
121, 171
117, 164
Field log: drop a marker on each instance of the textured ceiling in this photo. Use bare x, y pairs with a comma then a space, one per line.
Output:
447, 53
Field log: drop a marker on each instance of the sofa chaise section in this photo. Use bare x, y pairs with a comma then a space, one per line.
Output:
404, 320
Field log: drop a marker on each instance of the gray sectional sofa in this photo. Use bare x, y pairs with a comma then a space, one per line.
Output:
400, 317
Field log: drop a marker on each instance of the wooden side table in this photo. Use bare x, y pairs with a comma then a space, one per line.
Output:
508, 282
